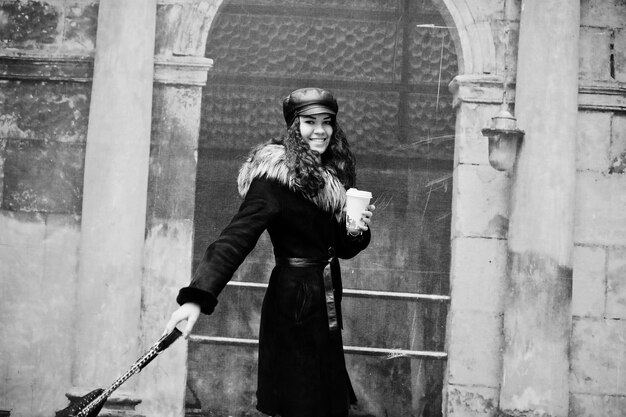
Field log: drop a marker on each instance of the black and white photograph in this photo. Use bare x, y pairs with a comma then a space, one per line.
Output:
313, 208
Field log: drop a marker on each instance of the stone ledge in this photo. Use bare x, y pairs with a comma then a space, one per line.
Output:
603, 96
167, 70
47, 67
182, 70
488, 89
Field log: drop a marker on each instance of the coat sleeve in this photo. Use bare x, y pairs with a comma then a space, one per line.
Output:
224, 255
349, 246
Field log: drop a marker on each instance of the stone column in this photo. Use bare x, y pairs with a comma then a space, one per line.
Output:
537, 314
114, 197
480, 212
168, 252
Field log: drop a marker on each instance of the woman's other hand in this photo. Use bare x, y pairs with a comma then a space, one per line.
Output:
366, 221
187, 312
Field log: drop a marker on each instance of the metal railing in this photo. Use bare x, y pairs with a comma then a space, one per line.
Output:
359, 350
384, 295
388, 353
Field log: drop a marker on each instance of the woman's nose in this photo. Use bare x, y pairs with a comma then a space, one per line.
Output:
319, 129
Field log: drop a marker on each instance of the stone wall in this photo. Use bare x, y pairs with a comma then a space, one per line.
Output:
480, 219
47, 59
45, 50
597, 382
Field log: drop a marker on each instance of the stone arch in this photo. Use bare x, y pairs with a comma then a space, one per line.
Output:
183, 27
187, 25
473, 39
209, 112
195, 22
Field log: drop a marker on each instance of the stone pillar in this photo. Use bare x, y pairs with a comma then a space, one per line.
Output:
114, 197
168, 252
537, 314
480, 212
180, 73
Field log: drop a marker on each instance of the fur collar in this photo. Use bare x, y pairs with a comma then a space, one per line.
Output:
269, 161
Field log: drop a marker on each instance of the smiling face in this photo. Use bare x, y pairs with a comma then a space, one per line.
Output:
316, 130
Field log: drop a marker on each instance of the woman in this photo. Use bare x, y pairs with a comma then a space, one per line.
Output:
295, 187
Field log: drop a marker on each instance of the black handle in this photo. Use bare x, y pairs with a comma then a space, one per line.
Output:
168, 339
162, 344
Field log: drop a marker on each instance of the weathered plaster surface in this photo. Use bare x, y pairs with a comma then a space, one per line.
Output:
39, 110
486, 216
471, 147
589, 281
618, 136
43, 177
616, 284
463, 401
600, 218
619, 56
593, 141
603, 13
588, 405
55, 26
597, 356
537, 323
167, 267
476, 341
478, 274
595, 53
36, 312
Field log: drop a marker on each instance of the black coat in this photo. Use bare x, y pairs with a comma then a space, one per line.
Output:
301, 370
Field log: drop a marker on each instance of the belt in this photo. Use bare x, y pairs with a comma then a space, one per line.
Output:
331, 310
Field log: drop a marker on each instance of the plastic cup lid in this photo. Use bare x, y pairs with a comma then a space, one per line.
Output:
358, 193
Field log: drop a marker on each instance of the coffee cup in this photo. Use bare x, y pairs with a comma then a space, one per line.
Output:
356, 202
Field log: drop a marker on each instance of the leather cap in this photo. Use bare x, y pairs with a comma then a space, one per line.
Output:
308, 101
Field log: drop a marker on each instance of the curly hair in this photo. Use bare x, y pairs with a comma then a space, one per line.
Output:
303, 162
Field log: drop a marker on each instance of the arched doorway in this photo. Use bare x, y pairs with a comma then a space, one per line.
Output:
389, 64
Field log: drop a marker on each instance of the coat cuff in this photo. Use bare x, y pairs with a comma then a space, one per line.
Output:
204, 299
361, 237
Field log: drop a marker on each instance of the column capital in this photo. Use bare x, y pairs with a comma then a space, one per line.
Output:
477, 88
185, 70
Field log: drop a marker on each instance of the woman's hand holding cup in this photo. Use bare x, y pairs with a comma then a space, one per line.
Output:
358, 211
